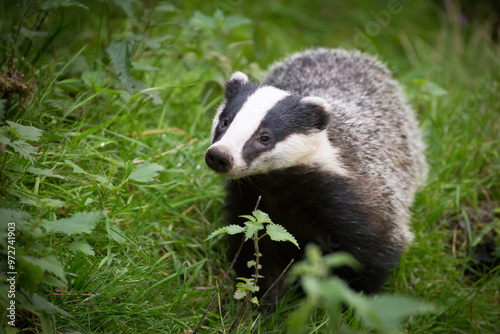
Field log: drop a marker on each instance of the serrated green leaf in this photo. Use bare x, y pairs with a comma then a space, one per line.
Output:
81, 222
24, 149
26, 132
240, 294
230, 229
120, 52
43, 202
41, 304
278, 233
51, 203
262, 217
44, 172
81, 246
145, 172
51, 4
251, 229
11, 215
4, 140
49, 264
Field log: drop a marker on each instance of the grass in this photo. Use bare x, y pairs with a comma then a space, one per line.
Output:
149, 268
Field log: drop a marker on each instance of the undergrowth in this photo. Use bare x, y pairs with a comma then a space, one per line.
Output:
105, 110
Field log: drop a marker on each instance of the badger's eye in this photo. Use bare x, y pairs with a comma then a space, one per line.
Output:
225, 123
264, 139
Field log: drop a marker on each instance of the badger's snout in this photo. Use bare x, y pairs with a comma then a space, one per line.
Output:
219, 159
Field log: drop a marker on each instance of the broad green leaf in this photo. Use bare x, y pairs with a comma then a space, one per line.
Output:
12, 216
51, 203
120, 52
24, 149
251, 229
230, 229
262, 217
4, 140
81, 246
145, 172
390, 311
49, 264
279, 233
43, 202
44, 172
51, 4
81, 222
41, 304
26, 132
240, 294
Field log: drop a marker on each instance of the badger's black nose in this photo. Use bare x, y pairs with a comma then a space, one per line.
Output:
219, 159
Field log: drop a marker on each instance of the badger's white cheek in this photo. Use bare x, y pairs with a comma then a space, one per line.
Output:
267, 162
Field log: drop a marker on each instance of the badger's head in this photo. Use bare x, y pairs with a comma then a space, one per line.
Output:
259, 129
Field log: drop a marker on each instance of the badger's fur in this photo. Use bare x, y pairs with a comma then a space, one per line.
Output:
333, 149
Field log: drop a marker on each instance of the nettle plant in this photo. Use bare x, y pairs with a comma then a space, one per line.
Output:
258, 221
347, 310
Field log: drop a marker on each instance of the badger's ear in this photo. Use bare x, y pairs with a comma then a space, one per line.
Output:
317, 111
234, 83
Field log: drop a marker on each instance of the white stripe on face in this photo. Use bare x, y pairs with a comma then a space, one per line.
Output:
246, 122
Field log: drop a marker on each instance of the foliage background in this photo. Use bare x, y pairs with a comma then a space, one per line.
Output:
112, 200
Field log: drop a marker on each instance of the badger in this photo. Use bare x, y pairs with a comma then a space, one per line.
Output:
330, 146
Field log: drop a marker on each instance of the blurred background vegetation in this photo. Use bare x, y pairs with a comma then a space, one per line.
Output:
105, 113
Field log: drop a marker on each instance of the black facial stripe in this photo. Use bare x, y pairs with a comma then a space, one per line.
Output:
236, 95
287, 117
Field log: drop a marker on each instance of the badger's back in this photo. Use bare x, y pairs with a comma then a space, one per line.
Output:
378, 130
